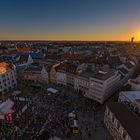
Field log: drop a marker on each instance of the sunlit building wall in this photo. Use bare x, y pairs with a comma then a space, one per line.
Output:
7, 77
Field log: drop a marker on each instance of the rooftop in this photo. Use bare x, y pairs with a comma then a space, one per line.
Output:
131, 95
87, 74
34, 69
114, 60
131, 124
24, 49
123, 70
104, 75
72, 68
129, 65
62, 67
23, 58
69, 56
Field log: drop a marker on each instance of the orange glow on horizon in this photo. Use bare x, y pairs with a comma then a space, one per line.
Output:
67, 39
137, 37
80, 37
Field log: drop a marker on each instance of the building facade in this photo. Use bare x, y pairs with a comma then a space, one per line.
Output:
53, 74
36, 74
103, 84
71, 72
81, 82
121, 122
8, 78
62, 74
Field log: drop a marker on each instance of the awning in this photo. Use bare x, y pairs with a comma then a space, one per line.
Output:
52, 90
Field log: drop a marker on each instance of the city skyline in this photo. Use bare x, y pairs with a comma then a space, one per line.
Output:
70, 20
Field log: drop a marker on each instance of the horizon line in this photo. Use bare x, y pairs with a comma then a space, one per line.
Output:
70, 40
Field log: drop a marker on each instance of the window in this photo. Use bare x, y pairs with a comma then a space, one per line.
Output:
98, 82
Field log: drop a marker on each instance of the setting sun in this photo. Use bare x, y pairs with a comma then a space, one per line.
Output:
137, 36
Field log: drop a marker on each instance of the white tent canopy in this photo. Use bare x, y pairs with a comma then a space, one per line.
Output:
52, 90
17, 92
6, 107
55, 138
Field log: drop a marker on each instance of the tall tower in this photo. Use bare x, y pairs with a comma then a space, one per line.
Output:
132, 40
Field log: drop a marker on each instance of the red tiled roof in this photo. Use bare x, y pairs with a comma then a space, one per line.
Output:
24, 49
23, 58
68, 56
113, 60
63, 67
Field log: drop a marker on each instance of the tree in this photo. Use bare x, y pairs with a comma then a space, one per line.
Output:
26, 88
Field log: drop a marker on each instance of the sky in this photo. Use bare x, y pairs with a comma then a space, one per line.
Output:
116, 20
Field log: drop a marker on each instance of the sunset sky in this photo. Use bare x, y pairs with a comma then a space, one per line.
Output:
69, 19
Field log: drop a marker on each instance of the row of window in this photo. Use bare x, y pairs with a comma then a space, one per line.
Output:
5, 81
94, 81
95, 97
116, 124
7, 85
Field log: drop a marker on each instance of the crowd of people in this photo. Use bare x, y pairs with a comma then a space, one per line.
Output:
46, 115
46, 118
